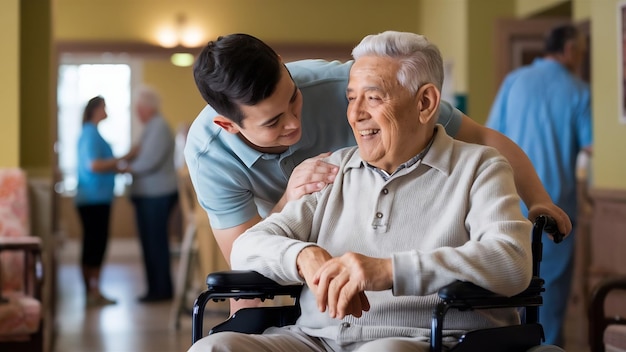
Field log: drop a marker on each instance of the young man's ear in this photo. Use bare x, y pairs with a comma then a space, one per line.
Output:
227, 124
429, 97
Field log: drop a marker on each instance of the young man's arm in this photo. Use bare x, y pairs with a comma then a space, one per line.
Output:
528, 184
226, 237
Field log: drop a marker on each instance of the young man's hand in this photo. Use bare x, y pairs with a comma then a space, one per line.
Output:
563, 221
310, 176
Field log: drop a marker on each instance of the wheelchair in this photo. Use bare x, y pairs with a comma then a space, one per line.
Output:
463, 296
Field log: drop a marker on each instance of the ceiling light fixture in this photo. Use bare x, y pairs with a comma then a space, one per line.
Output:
181, 34
182, 59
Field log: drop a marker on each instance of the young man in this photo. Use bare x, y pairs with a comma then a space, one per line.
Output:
258, 143
371, 248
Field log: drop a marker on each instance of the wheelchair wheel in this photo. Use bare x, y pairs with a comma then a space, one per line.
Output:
546, 348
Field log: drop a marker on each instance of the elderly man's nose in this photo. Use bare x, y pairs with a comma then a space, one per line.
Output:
358, 114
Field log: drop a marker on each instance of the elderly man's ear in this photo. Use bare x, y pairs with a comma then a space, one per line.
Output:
428, 101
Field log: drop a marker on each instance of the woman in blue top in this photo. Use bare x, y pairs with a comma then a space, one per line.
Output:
94, 195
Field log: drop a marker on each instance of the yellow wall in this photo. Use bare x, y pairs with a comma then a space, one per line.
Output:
444, 22
181, 101
609, 168
271, 20
526, 8
9, 88
581, 10
481, 61
37, 97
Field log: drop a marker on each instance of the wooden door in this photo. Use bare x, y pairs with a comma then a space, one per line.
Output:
519, 42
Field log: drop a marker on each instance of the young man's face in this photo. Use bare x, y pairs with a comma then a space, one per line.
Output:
275, 123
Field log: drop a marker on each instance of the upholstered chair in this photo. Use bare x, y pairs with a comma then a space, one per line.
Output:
21, 272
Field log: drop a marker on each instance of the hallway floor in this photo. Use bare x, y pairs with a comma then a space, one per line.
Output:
129, 326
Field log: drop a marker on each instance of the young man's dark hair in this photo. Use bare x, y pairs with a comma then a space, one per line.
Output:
236, 69
558, 36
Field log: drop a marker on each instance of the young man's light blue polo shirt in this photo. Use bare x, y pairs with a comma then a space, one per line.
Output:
234, 182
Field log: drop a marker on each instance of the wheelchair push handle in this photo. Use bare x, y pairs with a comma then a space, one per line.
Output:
545, 223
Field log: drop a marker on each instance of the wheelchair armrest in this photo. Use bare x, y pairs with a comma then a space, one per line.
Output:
239, 284
466, 295
240, 281
464, 290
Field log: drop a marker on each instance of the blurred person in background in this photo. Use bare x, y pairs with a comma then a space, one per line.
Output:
154, 193
94, 195
546, 110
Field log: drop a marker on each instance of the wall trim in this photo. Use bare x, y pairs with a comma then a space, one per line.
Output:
608, 194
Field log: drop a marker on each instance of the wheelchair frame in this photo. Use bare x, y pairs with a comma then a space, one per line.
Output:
458, 295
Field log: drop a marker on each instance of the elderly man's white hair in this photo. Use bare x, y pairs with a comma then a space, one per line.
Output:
420, 60
148, 97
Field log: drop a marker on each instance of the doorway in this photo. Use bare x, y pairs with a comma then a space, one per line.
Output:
518, 43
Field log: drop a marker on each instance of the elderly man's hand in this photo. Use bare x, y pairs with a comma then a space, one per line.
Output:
341, 283
563, 221
308, 261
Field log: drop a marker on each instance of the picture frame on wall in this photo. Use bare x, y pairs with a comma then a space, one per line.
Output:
621, 13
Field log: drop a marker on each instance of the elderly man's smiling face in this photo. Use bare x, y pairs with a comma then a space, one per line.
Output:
383, 114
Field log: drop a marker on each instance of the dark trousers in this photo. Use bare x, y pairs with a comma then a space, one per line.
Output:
95, 225
152, 215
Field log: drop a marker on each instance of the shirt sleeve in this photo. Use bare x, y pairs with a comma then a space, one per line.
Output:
283, 234
450, 117
89, 150
227, 202
497, 255
584, 124
222, 189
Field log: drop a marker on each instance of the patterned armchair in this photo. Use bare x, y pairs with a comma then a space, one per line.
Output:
21, 273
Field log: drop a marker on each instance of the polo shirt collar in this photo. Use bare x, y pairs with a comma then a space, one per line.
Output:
437, 157
249, 156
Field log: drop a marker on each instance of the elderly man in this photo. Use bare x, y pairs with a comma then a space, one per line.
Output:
410, 211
